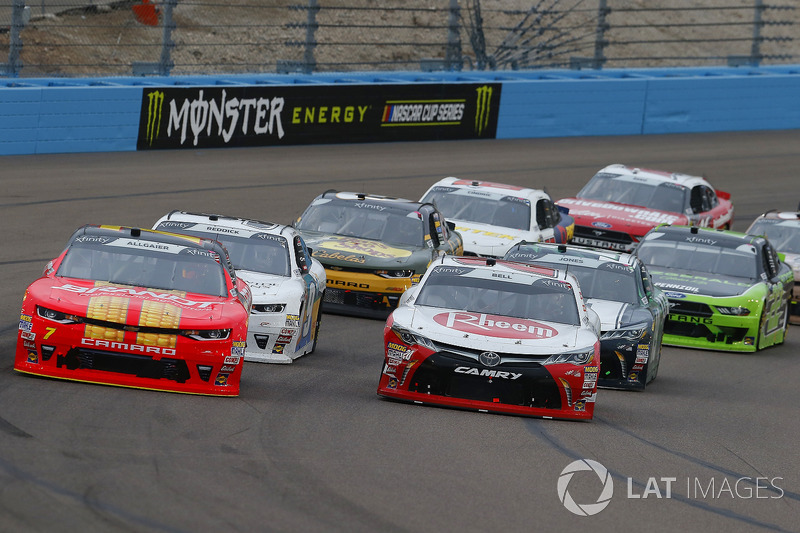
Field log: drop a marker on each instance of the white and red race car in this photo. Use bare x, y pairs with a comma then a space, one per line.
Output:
287, 284
493, 335
621, 204
492, 217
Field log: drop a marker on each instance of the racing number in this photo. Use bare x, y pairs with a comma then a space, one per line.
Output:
50, 331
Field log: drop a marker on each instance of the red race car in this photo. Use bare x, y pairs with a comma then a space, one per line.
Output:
137, 308
621, 204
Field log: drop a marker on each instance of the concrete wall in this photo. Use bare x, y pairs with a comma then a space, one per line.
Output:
102, 114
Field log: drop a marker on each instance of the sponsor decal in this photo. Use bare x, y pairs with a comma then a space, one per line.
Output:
205, 117
25, 326
288, 331
284, 339
600, 224
494, 326
227, 369
128, 347
278, 348
580, 405
364, 247
28, 335
397, 355
25, 318
133, 293
677, 287
491, 374
233, 359
33, 357
392, 384
633, 376
221, 379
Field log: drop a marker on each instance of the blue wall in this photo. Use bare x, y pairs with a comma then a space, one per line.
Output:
102, 114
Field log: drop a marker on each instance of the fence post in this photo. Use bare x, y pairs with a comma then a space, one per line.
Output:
600, 34
309, 63
14, 64
167, 44
453, 60
755, 49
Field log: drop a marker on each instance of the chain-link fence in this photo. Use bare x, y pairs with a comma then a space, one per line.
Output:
179, 37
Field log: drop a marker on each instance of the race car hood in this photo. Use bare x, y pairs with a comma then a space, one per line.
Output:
681, 281
612, 216
267, 286
340, 250
613, 315
127, 304
479, 331
485, 239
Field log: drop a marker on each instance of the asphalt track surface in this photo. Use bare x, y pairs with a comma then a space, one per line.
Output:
310, 447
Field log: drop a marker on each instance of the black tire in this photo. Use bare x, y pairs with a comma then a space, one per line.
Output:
319, 321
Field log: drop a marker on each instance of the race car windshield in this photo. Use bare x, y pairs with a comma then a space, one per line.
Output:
144, 268
699, 258
265, 253
506, 213
537, 301
611, 283
612, 188
365, 221
785, 238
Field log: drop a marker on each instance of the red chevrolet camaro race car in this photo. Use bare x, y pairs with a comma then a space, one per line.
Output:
137, 308
621, 204
496, 336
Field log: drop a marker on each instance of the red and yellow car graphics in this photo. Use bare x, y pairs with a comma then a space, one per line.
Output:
99, 331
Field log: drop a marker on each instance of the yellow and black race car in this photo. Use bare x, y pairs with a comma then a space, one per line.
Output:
373, 247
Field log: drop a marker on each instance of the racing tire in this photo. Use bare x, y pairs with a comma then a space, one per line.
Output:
318, 319
651, 378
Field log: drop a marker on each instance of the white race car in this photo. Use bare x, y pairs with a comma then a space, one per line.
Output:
286, 282
496, 336
492, 217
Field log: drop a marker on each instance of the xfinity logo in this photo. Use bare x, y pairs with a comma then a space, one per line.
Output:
487, 373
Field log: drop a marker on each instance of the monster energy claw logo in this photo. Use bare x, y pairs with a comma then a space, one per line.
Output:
155, 102
482, 108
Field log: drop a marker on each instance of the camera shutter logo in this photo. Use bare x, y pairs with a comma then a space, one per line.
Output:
587, 509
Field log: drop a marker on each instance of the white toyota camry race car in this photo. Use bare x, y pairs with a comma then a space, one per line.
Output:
286, 282
492, 217
497, 336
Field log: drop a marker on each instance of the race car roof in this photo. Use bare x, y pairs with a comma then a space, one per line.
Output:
499, 265
493, 188
707, 236
375, 199
654, 177
213, 223
525, 251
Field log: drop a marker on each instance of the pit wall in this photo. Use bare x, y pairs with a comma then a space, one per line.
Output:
39, 116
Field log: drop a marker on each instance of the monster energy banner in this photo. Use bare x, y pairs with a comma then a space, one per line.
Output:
209, 117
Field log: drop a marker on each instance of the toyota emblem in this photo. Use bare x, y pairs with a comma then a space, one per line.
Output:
489, 359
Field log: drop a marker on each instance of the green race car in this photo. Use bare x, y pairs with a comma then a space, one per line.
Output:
726, 290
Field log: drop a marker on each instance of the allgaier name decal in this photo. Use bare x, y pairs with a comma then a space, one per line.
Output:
212, 117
